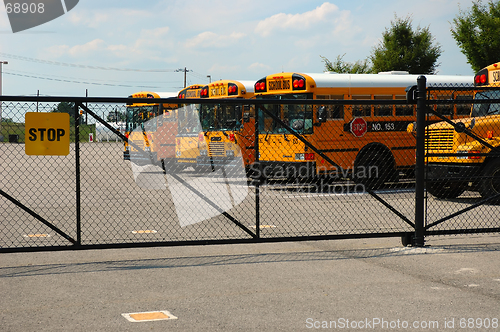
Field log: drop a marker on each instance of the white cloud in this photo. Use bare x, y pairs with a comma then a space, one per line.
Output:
259, 67
97, 19
56, 51
85, 18
224, 70
88, 48
154, 38
211, 39
283, 21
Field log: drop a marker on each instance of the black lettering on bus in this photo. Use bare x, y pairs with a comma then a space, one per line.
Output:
496, 76
279, 85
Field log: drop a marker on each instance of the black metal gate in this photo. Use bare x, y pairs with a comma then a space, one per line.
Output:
458, 163
93, 198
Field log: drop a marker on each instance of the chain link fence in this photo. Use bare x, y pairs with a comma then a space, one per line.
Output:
462, 165
281, 171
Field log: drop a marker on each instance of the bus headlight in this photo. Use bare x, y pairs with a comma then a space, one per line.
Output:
299, 156
230, 153
304, 156
203, 153
468, 154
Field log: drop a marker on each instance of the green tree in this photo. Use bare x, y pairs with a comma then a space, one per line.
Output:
65, 107
340, 66
477, 33
68, 107
403, 49
115, 116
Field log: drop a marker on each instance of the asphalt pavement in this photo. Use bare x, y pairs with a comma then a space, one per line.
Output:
452, 284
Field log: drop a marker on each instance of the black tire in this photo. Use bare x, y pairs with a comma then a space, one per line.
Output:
374, 169
445, 189
489, 185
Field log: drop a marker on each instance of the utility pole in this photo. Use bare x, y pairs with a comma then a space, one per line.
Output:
185, 74
1, 63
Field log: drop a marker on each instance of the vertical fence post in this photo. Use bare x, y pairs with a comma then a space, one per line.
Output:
418, 239
77, 171
256, 168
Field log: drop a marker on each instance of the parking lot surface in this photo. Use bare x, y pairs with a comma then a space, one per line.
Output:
371, 284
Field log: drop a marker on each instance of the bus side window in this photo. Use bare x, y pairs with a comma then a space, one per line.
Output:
463, 109
333, 112
382, 110
361, 110
445, 109
403, 110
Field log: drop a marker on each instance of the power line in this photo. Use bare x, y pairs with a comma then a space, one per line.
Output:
65, 64
81, 82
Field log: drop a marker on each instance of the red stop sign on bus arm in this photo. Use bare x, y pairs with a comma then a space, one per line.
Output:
359, 127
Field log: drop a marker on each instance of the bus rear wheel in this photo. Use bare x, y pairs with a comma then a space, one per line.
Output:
445, 189
489, 185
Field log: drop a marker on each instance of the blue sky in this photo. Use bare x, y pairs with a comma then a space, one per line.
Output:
115, 48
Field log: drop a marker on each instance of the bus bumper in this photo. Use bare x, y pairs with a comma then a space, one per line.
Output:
215, 161
288, 170
452, 172
142, 159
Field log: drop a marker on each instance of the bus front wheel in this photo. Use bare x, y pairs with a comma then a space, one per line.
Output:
489, 185
445, 189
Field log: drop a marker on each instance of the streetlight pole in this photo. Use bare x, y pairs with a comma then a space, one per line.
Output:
1, 63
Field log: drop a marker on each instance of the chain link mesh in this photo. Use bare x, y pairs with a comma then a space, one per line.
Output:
303, 170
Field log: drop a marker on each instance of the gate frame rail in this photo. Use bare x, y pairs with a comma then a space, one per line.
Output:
421, 230
416, 238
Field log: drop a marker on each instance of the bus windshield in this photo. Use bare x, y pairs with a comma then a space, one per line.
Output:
297, 117
139, 116
486, 109
216, 117
189, 120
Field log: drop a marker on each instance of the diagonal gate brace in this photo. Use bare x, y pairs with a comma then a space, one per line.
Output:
38, 217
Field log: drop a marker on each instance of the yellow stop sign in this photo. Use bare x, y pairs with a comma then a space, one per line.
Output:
47, 134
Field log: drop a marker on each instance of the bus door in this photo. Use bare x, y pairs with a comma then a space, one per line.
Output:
281, 150
190, 139
167, 132
246, 135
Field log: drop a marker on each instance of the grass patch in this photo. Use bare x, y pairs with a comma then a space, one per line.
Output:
10, 128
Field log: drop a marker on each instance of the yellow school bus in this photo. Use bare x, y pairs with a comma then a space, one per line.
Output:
189, 139
463, 155
367, 143
227, 131
151, 127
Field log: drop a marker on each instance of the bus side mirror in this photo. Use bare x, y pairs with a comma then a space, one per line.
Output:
412, 129
411, 94
321, 114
